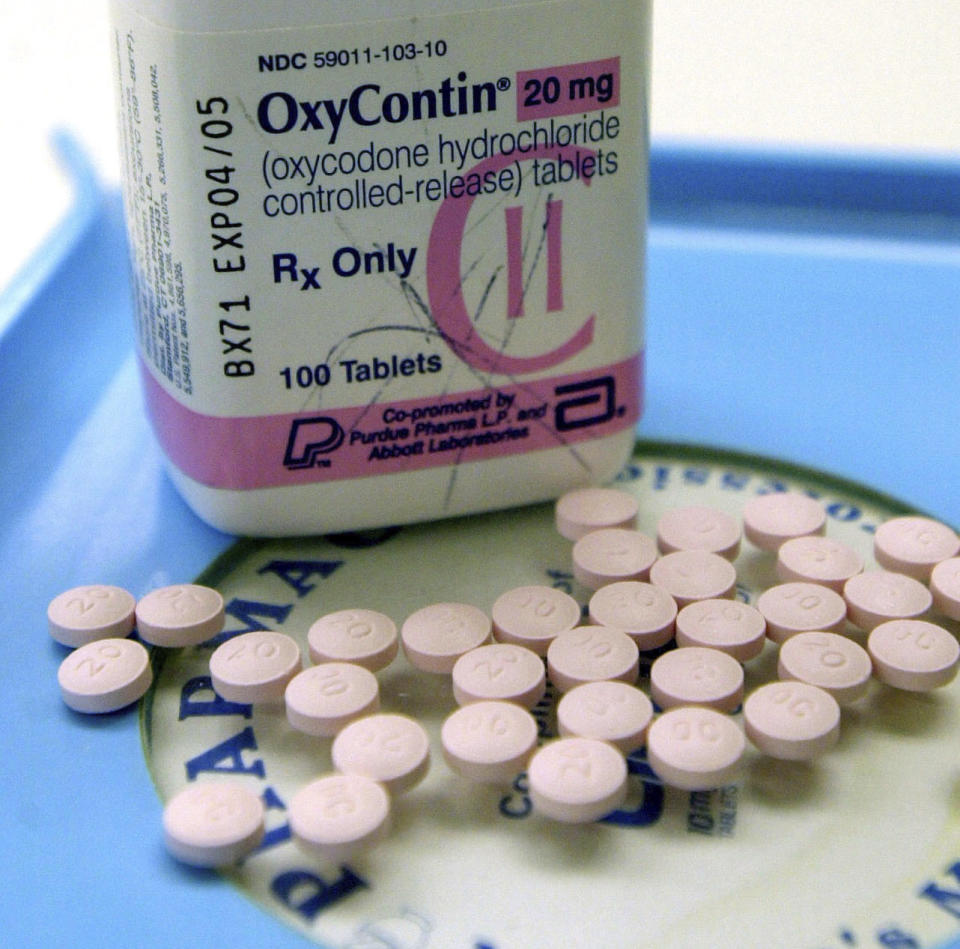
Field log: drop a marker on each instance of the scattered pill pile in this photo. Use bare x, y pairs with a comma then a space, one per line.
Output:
646, 594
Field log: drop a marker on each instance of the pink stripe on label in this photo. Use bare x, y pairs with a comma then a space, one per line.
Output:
514, 216
568, 90
242, 453
554, 256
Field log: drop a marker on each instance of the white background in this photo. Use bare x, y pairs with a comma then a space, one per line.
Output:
822, 74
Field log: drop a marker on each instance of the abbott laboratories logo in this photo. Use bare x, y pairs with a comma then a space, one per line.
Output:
311, 438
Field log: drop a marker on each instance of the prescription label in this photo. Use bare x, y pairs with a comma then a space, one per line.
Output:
860, 847
365, 249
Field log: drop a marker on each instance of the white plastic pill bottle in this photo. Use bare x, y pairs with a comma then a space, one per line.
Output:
388, 255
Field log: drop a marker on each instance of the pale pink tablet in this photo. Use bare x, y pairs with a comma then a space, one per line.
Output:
689, 575
184, 615
914, 545
646, 613
323, 699
337, 815
608, 711
696, 675
501, 671
793, 721
576, 780
588, 509
393, 750
945, 587
532, 616
105, 675
737, 629
489, 742
613, 554
366, 637
816, 559
835, 663
771, 519
913, 655
695, 748
84, 614
213, 823
436, 636
699, 528
876, 596
590, 654
255, 667
790, 608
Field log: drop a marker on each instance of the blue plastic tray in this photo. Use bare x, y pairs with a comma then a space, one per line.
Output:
802, 307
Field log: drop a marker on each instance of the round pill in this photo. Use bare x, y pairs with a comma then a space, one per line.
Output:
84, 614
588, 509
393, 750
737, 629
213, 823
771, 519
105, 675
695, 675
489, 742
646, 613
608, 711
699, 528
590, 654
793, 721
499, 671
184, 615
689, 575
876, 596
835, 663
255, 667
695, 748
576, 780
337, 815
532, 616
945, 587
790, 608
913, 654
365, 637
914, 545
816, 559
323, 699
607, 556
436, 636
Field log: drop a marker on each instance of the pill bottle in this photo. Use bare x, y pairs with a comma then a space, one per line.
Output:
387, 257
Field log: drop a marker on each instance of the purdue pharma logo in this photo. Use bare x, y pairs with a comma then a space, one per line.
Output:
310, 439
